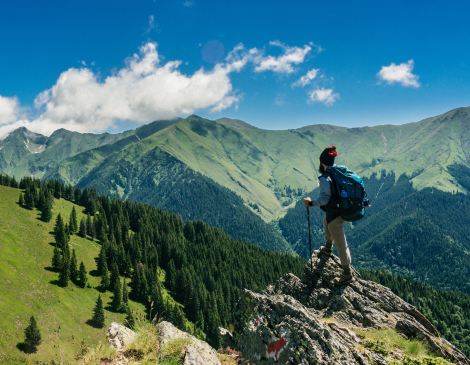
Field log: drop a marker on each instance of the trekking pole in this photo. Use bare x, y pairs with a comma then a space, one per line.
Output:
309, 235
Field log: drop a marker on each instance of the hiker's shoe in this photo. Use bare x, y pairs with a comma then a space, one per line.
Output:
345, 278
325, 251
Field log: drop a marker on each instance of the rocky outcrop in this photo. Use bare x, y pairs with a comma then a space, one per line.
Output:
315, 321
194, 351
120, 336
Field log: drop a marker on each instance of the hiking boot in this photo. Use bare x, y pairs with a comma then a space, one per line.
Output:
345, 278
325, 251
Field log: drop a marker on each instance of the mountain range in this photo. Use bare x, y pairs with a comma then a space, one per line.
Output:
249, 181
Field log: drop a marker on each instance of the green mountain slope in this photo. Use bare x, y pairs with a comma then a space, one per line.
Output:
159, 179
24, 153
28, 287
269, 170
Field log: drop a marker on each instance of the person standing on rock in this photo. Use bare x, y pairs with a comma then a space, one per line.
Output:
333, 222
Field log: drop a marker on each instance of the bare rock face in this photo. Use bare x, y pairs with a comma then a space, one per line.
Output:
315, 321
120, 336
196, 352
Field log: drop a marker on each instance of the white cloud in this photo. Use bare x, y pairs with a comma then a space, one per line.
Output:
399, 74
10, 115
142, 91
324, 96
307, 78
283, 63
9, 110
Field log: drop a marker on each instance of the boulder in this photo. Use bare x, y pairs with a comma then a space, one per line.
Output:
194, 352
120, 336
317, 321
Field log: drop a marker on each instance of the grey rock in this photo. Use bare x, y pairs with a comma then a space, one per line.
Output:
195, 351
120, 336
315, 321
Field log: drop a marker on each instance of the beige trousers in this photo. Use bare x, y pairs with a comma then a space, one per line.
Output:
334, 232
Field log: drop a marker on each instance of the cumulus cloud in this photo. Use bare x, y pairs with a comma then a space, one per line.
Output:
9, 110
324, 96
399, 74
10, 115
283, 63
307, 78
143, 90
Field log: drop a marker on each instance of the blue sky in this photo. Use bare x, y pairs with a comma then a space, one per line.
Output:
421, 48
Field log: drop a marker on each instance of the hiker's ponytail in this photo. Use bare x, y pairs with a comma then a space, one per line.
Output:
328, 155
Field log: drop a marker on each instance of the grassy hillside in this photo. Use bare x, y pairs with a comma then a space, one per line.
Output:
159, 179
28, 287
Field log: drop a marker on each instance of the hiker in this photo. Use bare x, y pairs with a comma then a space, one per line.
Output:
333, 221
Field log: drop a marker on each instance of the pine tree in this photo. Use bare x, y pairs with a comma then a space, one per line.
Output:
82, 278
116, 303
46, 211
105, 279
130, 321
82, 229
125, 295
73, 267
60, 234
73, 226
29, 199
32, 336
64, 274
101, 261
57, 259
98, 314
114, 278
21, 200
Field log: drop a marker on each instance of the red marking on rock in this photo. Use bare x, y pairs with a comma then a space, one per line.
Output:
275, 348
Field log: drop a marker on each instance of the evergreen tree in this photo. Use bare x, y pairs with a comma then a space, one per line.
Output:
82, 228
73, 267
73, 225
46, 211
57, 259
64, 274
116, 303
32, 336
101, 263
114, 278
130, 321
125, 295
82, 278
105, 279
98, 314
29, 199
60, 234
21, 200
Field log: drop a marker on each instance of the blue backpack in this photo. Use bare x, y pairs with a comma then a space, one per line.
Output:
349, 194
